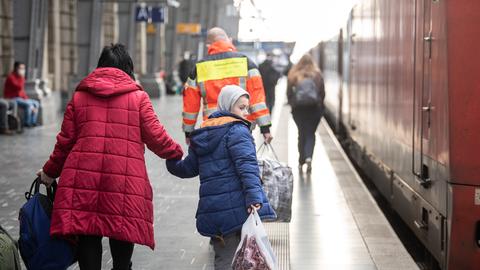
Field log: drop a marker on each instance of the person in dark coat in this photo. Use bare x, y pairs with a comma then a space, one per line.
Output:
223, 153
307, 115
185, 67
270, 78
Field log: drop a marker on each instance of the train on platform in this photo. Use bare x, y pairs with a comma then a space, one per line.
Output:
403, 95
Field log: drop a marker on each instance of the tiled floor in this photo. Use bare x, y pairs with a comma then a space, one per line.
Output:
335, 222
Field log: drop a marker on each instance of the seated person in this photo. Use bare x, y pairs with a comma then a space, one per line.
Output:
15, 89
5, 105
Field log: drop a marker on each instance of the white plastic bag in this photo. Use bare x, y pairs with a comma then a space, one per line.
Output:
254, 251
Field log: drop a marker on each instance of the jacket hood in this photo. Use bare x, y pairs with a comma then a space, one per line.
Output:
221, 46
206, 139
105, 82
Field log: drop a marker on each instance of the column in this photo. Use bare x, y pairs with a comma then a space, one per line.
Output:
54, 46
150, 80
89, 39
6, 40
29, 28
170, 40
126, 22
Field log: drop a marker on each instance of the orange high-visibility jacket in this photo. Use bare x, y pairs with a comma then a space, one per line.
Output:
223, 66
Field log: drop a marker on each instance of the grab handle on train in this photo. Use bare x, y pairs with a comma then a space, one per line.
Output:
420, 225
423, 224
423, 178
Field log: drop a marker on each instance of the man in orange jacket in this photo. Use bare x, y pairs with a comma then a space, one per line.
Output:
223, 66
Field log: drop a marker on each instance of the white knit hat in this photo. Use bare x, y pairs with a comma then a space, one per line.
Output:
229, 95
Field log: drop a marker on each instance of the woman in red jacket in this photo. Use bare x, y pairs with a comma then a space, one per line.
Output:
99, 156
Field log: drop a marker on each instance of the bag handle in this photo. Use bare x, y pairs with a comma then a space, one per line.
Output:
267, 147
256, 216
35, 188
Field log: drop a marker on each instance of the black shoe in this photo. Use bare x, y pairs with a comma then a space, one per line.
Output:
5, 131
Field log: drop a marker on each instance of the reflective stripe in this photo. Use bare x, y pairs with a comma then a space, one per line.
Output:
263, 121
243, 83
253, 72
258, 107
202, 89
209, 111
191, 83
188, 128
190, 116
221, 69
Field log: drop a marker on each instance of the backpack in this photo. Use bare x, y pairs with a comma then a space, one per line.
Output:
305, 93
38, 249
9, 258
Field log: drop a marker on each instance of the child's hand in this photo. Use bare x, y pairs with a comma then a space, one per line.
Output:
257, 206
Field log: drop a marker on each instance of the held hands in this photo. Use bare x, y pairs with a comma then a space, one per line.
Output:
257, 207
45, 179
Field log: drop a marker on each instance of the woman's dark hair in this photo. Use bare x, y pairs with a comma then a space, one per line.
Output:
16, 65
116, 56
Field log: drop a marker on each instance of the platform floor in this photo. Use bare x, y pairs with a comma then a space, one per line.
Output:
336, 224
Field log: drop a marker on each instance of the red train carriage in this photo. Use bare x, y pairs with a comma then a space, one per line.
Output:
403, 86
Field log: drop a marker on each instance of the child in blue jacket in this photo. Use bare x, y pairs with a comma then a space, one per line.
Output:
223, 153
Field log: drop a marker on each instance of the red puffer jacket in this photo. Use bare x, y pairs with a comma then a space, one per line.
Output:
99, 156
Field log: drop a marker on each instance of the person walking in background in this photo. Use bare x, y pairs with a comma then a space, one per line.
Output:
103, 188
223, 153
185, 67
223, 66
15, 89
305, 93
270, 78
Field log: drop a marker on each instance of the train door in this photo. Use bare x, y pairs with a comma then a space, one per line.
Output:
347, 38
423, 93
353, 83
431, 212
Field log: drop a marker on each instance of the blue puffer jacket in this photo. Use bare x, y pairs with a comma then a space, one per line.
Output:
223, 153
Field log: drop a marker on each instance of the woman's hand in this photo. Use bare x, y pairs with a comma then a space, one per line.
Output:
257, 207
45, 179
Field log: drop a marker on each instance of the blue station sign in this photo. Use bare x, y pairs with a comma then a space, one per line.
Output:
150, 14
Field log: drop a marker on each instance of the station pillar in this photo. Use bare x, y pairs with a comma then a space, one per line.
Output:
151, 80
88, 39
29, 34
